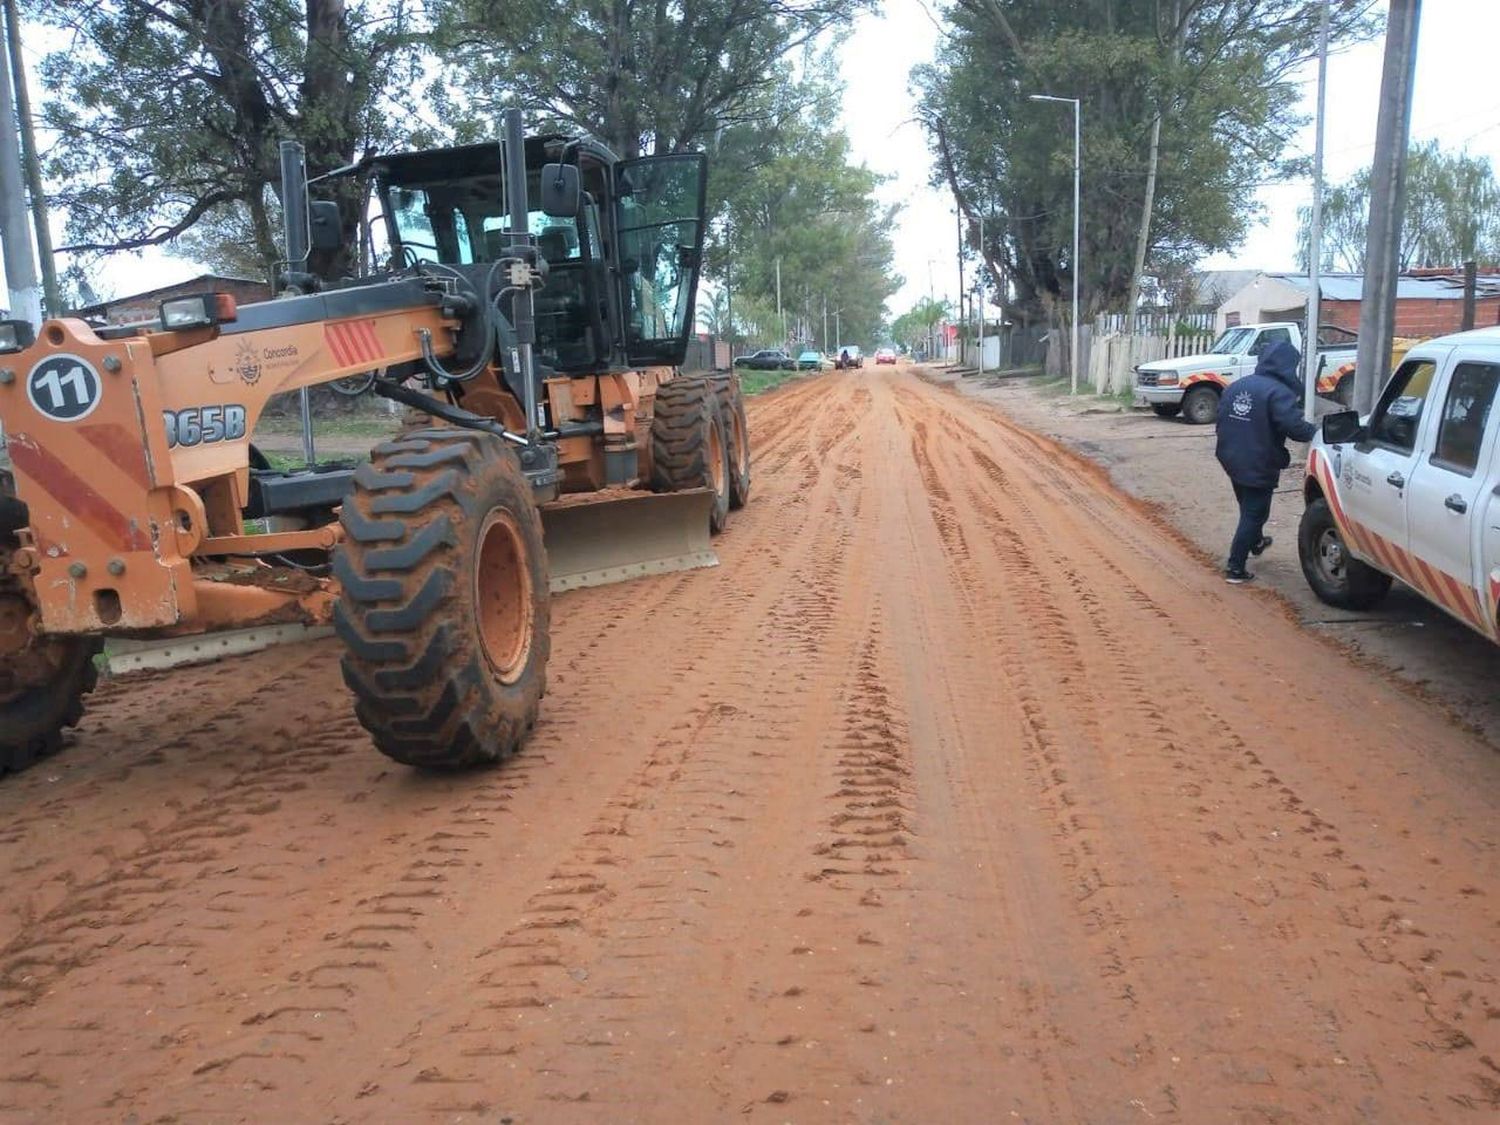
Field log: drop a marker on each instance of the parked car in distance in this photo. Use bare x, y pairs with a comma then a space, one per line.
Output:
1192, 385
885, 355
1413, 491
810, 361
767, 359
848, 355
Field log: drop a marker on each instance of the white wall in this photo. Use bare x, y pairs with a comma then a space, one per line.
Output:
1255, 301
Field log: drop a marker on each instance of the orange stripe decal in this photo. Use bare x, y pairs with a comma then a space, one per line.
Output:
124, 452
334, 334
76, 495
373, 350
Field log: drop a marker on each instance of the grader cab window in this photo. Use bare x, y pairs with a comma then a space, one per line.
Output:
659, 217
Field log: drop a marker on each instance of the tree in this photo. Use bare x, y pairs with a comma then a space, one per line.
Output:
1216, 73
168, 113
645, 78
1452, 214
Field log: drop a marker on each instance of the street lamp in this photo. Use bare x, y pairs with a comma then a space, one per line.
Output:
1077, 167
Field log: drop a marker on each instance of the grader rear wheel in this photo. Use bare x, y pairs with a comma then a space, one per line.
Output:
737, 426
688, 444
443, 603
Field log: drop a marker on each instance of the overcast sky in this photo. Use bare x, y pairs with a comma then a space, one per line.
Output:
1454, 104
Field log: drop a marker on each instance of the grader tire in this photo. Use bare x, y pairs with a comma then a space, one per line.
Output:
688, 446
38, 702
42, 680
737, 426
443, 602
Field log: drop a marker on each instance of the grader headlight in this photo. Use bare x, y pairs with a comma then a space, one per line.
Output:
200, 310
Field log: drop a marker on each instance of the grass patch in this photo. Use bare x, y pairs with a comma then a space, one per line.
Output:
758, 382
352, 426
284, 462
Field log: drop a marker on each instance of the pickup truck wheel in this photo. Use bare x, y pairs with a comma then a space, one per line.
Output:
1336, 576
1200, 405
1166, 409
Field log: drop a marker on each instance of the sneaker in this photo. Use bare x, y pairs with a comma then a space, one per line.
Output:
1238, 577
1260, 548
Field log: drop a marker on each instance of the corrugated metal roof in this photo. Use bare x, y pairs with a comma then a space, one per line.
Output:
1350, 286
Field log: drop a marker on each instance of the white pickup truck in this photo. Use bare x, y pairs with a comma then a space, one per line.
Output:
1191, 385
1414, 491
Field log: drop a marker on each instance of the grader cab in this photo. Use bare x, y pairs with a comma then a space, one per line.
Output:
531, 316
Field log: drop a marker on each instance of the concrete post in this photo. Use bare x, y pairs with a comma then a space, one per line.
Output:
15, 228
1377, 310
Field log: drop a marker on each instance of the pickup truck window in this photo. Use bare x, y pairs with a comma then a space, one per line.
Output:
1232, 341
1399, 412
1471, 392
1271, 336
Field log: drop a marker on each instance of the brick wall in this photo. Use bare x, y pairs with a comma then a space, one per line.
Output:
1419, 317
132, 310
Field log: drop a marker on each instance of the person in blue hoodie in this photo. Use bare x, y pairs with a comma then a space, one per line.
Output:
1256, 416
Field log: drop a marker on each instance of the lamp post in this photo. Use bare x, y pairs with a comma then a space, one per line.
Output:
1077, 169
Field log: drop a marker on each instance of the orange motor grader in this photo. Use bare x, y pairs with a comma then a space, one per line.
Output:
535, 305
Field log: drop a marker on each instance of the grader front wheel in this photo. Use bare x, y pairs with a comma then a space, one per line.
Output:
443, 603
42, 685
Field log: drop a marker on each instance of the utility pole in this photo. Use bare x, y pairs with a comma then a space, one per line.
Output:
958, 215
1471, 284
1310, 355
1377, 307
825, 324
931, 306
729, 300
32, 164
780, 316
981, 294
20, 265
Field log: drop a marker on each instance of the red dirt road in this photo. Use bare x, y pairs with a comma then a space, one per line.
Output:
959, 792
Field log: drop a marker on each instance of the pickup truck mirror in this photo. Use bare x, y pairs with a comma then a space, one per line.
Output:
1342, 427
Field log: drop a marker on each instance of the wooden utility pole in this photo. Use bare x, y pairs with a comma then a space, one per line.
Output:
33, 164
1471, 284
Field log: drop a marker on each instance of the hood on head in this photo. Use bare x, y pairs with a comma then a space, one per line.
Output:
1281, 361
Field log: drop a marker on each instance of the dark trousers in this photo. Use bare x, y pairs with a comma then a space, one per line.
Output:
1255, 509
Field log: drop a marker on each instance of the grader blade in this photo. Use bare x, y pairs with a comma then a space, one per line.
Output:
596, 539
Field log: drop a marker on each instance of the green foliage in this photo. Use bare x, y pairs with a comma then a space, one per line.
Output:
168, 114
1452, 214
642, 77
914, 327
1216, 71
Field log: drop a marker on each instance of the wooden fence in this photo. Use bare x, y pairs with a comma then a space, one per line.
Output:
1113, 357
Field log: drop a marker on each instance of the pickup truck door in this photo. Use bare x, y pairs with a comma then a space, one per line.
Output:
1489, 543
1449, 493
1376, 472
